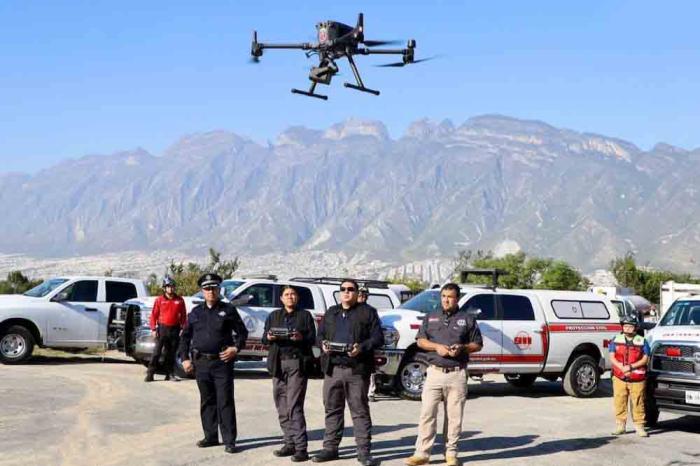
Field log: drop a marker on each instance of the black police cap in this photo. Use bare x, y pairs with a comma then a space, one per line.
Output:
209, 279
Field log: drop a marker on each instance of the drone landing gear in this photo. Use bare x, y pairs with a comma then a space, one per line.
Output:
360, 86
310, 92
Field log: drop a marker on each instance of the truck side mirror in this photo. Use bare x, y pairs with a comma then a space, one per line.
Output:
242, 300
60, 297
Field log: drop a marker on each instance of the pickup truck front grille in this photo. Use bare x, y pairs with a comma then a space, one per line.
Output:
683, 363
669, 365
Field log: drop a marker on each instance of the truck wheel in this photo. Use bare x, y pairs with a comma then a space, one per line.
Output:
16, 345
521, 380
582, 378
410, 378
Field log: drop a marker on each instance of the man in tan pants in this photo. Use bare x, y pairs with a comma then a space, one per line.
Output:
447, 336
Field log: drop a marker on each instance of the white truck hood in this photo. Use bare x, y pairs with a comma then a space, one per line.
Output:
690, 333
12, 300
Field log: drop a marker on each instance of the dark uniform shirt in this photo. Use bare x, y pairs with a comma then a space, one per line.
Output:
343, 334
300, 320
458, 328
210, 330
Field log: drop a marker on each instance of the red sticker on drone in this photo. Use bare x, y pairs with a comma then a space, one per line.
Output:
523, 340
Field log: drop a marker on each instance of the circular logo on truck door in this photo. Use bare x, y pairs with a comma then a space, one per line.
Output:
523, 340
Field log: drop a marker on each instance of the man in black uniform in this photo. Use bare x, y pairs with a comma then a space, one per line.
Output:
289, 361
448, 336
212, 338
346, 373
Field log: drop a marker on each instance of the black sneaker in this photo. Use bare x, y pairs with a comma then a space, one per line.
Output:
173, 378
300, 456
149, 378
367, 460
286, 450
204, 443
325, 455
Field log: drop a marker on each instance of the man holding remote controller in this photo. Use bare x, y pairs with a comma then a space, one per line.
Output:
348, 336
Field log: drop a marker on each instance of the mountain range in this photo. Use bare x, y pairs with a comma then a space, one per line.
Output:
491, 183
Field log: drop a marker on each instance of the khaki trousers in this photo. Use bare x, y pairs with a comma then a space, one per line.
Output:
439, 388
625, 393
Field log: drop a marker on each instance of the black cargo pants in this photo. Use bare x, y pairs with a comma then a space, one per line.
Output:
338, 387
216, 408
289, 392
167, 339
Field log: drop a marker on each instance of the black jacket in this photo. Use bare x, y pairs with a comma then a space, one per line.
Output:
366, 330
304, 323
210, 330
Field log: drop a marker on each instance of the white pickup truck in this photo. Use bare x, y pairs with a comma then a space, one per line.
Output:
674, 375
255, 297
526, 333
65, 312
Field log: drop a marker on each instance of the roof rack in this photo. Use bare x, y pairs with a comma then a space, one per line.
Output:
338, 281
493, 273
260, 276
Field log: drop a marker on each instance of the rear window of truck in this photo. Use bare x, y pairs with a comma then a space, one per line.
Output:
565, 309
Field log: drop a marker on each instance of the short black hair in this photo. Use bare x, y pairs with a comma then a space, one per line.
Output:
451, 286
289, 287
350, 280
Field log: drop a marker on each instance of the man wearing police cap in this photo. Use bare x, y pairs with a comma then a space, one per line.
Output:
210, 342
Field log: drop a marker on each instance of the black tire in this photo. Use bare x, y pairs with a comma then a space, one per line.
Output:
521, 380
582, 378
16, 345
651, 410
410, 378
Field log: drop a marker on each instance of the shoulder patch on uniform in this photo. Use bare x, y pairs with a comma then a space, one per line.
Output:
222, 313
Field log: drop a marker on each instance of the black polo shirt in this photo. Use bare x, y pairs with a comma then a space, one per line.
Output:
458, 328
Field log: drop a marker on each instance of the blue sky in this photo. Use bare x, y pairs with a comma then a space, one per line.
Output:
86, 77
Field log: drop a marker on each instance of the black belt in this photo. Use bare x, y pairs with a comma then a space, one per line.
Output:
207, 356
448, 369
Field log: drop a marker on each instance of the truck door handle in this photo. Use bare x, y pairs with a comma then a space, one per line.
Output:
90, 309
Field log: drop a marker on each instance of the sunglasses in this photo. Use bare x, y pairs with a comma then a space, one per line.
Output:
348, 289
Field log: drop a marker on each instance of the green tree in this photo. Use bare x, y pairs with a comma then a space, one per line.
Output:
525, 272
187, 274
17, 282
645, 281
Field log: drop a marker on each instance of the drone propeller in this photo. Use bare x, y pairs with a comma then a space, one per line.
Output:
400, 64
377, 43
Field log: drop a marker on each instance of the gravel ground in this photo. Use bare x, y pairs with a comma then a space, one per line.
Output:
86, 409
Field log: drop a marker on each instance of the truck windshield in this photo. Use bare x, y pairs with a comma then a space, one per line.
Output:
45, 288
682, 313
426, 301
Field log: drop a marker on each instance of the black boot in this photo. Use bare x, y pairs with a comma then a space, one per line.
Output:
286, 450
300, 456
325, 455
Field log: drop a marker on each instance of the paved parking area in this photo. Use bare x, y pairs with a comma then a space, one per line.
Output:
86, 410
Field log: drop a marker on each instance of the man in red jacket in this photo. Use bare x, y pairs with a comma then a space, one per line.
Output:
167, 321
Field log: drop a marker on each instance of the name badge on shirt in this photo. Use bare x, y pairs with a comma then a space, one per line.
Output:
461, 322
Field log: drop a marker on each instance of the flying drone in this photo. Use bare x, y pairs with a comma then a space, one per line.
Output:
337, 40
